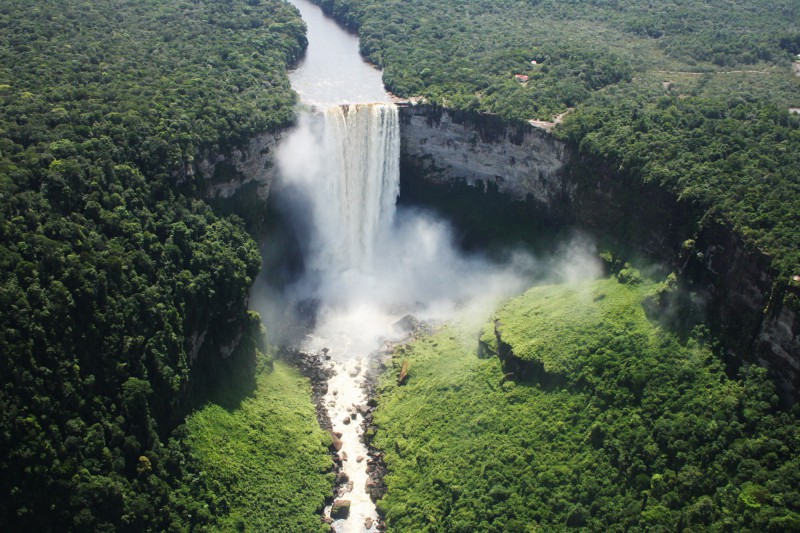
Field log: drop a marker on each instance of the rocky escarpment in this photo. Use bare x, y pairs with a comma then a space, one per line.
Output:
520, 161
779, 339
223, 173
533, 177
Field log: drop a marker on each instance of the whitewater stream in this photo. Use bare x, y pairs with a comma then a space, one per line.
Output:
344, 155
367, 271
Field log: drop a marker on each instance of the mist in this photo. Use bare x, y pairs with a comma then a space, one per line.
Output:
365, 263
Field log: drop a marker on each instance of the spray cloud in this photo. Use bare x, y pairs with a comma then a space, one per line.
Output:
368, 264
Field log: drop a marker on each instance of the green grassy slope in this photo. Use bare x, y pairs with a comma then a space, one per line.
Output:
264, 463
642, 433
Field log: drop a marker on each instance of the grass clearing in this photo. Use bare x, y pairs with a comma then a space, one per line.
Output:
265, 463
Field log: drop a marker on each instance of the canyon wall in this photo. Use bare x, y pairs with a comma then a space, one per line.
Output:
525, 175
539, 177
224, 173
521, 161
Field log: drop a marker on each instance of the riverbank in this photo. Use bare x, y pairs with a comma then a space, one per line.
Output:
264, 464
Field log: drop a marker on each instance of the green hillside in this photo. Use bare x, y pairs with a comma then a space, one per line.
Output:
264, 464
625, 429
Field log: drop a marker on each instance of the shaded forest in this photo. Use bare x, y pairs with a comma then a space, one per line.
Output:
118, 289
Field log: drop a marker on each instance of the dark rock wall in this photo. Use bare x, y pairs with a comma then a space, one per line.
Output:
525, 173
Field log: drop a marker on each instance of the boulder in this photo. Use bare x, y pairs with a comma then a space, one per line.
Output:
336, 442
407, 323
374, 489
340, 509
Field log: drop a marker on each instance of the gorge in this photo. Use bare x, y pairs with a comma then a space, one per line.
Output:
362, 269
500, 173
542, 181
460, 322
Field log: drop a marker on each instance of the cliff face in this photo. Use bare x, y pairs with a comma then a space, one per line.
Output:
778, 345
226, 173
542, 177
521, 161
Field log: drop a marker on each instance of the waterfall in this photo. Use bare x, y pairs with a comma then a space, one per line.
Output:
356, 186
343, 168
363, 266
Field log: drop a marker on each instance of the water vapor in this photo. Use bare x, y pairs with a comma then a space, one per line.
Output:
366, 264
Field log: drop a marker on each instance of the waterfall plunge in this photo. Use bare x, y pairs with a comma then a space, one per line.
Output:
367, 265
344, 163
354, 200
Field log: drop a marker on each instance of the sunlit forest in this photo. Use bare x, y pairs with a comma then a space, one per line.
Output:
121, 286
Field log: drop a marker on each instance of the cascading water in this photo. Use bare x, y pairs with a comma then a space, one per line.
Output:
354, 204
355, 201
365, 266
344, 162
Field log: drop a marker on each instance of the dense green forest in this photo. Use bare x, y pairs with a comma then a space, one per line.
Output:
610, 428
118, 290
693, 95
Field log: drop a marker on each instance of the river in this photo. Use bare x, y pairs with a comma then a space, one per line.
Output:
345, 159
332, 72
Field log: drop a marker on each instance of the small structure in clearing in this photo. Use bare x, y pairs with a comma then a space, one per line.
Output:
522, 78
548, 125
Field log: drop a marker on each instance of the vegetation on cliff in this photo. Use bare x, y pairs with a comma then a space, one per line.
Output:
119, 290
691, 95
613, 432
736, 158
263, 465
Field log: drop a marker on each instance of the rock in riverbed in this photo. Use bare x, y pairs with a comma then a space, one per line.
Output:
340, 509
